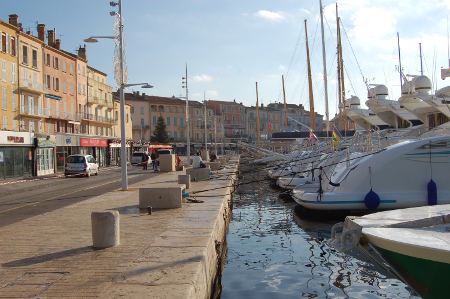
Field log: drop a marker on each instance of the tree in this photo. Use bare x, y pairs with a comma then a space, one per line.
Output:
160, 131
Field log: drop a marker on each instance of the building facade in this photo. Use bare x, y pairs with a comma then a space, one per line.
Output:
233, 118
270, 120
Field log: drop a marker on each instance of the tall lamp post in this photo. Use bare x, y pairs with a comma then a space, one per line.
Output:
94, 39
188, 140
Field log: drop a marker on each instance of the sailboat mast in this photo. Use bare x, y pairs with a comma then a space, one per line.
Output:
420, 53
257, 117
325, 82
206, 129
284, 99
341, 68
338, 55
312, 115
399, 63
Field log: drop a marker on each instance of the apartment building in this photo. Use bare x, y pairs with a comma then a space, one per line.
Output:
270, 120
197, 114
233, 118
297, 114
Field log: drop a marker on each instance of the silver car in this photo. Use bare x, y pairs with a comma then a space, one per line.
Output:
81, 165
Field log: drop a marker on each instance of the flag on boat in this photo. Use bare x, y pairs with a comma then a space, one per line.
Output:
312, 138
337, 137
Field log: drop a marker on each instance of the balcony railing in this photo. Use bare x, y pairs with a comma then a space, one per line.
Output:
29, 85
101, 102
47, 113
98, 118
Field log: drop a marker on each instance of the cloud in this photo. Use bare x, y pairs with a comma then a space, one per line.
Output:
272, 16
202, 78
282, 67
212, 93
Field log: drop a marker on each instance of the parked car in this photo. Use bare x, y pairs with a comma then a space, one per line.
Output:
136, 158
81, 165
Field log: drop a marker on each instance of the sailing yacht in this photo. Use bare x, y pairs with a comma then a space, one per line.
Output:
364, 118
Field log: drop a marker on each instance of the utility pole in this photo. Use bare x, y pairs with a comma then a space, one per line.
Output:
188, 141
206, 130
215, 135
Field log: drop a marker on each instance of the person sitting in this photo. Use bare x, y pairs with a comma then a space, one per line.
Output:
213, 157
197, 161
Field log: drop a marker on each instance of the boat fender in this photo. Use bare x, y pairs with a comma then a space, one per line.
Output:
372, 200
432, 193
334, 184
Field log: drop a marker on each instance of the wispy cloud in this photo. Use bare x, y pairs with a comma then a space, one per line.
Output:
272, 16
202, 78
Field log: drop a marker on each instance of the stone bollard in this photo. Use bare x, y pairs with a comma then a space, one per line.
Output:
105, 229
184, 179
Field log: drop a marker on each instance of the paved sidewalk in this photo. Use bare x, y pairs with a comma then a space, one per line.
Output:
169, 254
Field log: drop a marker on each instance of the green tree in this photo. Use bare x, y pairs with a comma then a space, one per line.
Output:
160, 131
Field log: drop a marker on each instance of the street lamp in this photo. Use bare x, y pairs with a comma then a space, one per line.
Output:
94, 39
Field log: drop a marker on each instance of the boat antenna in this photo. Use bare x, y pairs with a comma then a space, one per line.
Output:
399, 62
420, 53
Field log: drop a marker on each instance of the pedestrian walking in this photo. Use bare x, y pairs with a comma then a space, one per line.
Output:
144, 161
153, 157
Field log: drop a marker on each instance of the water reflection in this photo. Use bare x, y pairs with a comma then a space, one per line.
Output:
273, 253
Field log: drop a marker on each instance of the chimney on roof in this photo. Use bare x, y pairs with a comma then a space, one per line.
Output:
58, 44
13, 20
82, 52
51, 38
41, 32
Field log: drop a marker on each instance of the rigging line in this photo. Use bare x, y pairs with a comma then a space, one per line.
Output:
349, 79
353, 52
291, 61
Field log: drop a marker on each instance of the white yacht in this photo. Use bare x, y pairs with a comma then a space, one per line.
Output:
364, 118
432, 110
402, 175
391, 112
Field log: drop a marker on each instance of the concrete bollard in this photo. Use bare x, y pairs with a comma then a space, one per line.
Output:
198, 174
184, 179
105, 229
160, 198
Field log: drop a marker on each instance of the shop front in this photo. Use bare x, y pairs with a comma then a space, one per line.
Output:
45, 154
16, 154
66, 145
96, 147
114, 151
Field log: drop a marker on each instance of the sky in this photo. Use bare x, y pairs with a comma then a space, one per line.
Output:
229, 45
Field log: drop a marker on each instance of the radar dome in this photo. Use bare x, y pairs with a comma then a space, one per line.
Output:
408, 88
422, 84
353, 101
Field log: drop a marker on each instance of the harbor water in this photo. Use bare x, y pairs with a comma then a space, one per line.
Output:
273, 253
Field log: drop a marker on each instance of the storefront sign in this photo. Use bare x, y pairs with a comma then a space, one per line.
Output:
45, 142
51, 96
15, 139
93, 142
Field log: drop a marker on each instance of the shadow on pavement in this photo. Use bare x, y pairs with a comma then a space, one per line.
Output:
47, 257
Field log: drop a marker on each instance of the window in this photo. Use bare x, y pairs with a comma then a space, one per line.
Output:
168, 121
78, 68
71, 69
49, 82
84, 89
127, 118
48, 60
13, 101
31, 126
5, 122
14, 125
142, 110
3, 70
154, 120
79, 88
84, 70
35, 80
64, 66
24, 54
13, 72
34, 54
57, 84
56, 66
72, 89
4, 100
12, 47
4, 42
30, 105
64, 87
175, 121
